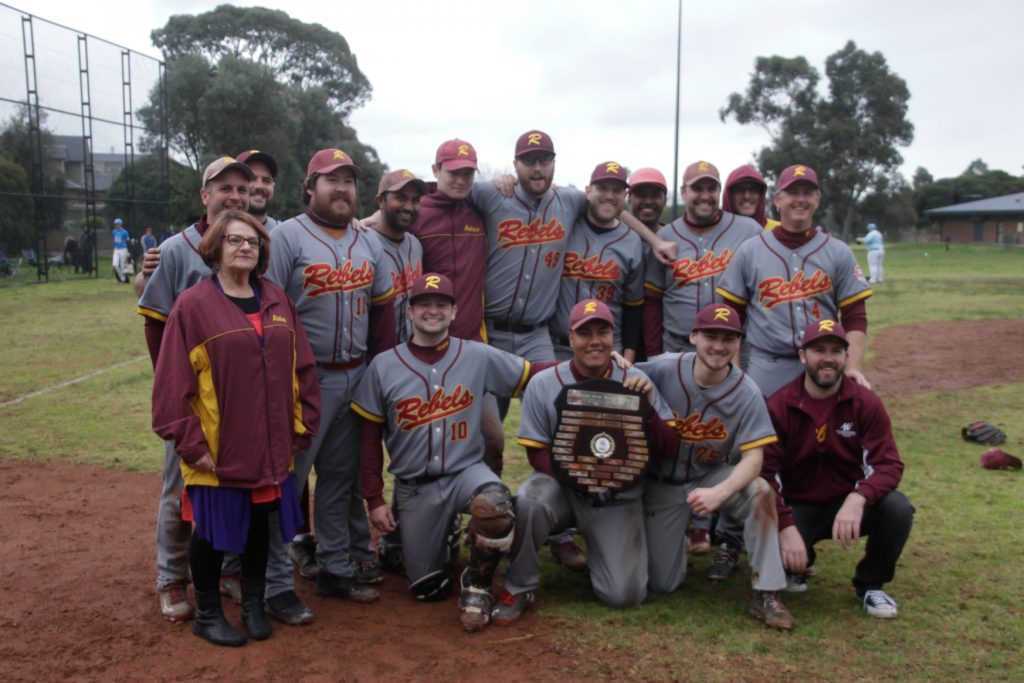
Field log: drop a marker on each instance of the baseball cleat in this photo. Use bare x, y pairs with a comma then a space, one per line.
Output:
723, 563
303, 556
796, 583
475, 605
287, 607
344, 587
569, 555
174, 604
510, 607
367, 571
766, 607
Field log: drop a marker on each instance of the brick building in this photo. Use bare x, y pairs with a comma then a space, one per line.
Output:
996, 220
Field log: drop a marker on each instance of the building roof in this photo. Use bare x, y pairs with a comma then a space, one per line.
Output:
1012, 204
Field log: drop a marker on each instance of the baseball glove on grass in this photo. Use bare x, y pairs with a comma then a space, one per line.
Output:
984, 433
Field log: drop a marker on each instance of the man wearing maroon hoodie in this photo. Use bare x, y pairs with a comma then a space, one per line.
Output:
835, 469
745, 192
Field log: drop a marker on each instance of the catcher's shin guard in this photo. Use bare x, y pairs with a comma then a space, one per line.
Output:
490, 531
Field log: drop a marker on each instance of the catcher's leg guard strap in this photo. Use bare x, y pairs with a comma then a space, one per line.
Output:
493, 522
433, 587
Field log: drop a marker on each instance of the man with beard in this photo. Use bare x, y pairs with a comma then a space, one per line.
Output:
835, 469
718, 412
745, 192
398, 199
225, 186
791, 276
261, 189
334, 274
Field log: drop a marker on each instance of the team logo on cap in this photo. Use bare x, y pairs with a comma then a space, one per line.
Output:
612, 167
406, 174
702, 166
227, 160
338, 154
534, 138
722, 314
800, 170
414, 412
826, 326
777, 290
463, 150
433, 282
687, 270
591, 268
590, 307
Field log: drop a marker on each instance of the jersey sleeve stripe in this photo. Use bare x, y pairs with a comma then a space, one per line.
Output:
744, 447
653, 288
530, 443
732, 297
150, 313
366, 414
856, 297
522, 379
381, 298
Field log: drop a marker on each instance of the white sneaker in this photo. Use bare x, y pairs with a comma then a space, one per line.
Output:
879, 605
796, 583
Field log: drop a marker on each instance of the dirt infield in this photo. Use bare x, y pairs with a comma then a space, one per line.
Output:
77, 600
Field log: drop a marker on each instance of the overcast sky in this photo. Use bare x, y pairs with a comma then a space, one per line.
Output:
599, 76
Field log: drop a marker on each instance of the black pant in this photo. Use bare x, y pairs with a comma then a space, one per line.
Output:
206, 560
886, 524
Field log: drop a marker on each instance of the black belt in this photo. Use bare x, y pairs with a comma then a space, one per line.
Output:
505, 326
417, 481
665, 480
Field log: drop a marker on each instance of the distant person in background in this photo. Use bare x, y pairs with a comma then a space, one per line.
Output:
148, 239
876, 254
120, 236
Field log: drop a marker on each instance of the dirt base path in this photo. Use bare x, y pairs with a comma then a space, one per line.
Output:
77, 600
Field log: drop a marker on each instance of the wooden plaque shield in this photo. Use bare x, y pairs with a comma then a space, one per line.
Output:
600, 445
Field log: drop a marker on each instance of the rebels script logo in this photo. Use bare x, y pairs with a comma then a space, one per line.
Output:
578, 268
691, 428
322, 278
687, 270
414, 412
775, 290
513, 233
401, 281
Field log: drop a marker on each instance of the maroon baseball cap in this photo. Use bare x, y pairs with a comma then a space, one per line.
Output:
250, 155
455, 154
396, 180
823, 328
701, 169
647, 176
587, 310
534, 141
998, 459
718, 317
222, 164
609, 170
795, 174
432, 283
326, 160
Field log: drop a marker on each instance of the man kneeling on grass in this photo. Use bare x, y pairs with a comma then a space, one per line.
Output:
836, 468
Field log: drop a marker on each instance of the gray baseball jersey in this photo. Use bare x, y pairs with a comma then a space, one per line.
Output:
180, 267
404, 263
688, 284
785, 289
333, 283
270, 223
432, 413
525, 239
606, 265
715, 424
539, 420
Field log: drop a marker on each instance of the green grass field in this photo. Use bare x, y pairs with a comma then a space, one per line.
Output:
961, 610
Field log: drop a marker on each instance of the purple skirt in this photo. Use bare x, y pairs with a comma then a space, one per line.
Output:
222, 514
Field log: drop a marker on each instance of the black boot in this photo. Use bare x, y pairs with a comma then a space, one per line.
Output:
210, 622
254, 618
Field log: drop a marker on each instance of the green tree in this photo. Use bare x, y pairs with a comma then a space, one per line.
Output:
16, 230
15, 144
188, 77
150, 198
851, 136
976, 182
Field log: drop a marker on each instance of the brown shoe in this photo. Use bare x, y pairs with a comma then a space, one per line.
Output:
766, 607
569, 554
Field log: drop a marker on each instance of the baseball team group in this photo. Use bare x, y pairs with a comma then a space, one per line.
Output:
323, 342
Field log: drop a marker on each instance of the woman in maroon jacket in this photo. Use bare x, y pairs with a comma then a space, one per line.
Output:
236, 390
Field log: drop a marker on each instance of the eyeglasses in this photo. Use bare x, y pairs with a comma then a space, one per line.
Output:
236, 241
537, 160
